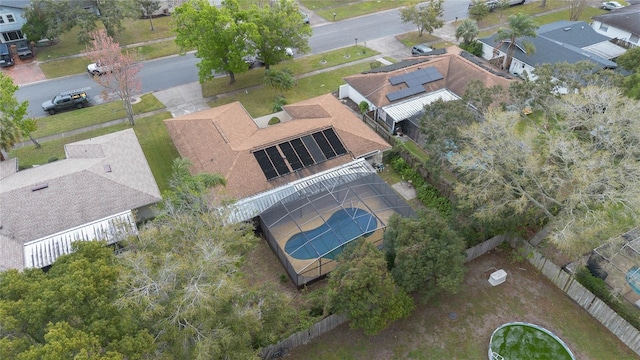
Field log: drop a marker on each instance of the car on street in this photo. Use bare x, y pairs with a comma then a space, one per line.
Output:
97, 68
420, 50
493, 4
255, 60
612, 5
73, 99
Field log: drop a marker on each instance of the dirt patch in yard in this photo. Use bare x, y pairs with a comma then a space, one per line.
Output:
430, 333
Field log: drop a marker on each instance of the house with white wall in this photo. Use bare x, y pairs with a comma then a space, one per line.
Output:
621, 24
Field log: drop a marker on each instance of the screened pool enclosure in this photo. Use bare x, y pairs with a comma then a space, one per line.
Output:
308, 229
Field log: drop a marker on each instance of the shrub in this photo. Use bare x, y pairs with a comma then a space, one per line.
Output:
274, 120
474, 48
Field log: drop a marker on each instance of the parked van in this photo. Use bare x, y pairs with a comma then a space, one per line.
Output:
5, 56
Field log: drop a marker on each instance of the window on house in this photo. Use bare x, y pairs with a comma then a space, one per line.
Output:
634, 39
1, 19
604, 27
12, 35
10, 18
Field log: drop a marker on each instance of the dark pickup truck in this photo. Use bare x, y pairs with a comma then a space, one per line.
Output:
67, 100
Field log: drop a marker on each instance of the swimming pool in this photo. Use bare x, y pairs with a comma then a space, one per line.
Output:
520, 341
327, 240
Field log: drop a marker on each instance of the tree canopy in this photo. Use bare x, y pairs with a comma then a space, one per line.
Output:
630, 60
71, 311
219, 35
427, 17
280, 26
575, 168
361, 288
424, 254
13, 120
520, 25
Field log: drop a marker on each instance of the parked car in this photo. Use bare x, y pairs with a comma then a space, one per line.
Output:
612, 5
73, 99
255, 59
97, 68
5, 56
24, 49
420, 50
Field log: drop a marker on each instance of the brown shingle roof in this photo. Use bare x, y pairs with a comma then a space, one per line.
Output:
457, 72
221, 140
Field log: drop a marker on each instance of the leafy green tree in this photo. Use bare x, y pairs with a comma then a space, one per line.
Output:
70, 311
630, 60
280, 26
43, 20
520, 25
478, 10
467, 31
148, 8
575, 168
427, 17
282, 80
424, 254
220, 36
183, 276
361, 288
12, 115
108, 13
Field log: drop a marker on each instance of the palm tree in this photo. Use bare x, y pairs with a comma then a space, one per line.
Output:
468, 30
520, 25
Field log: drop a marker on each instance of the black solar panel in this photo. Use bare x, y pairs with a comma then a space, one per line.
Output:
302, 152
415, 81
291, 156
314, 149
277, 160
299, 153
335, 142
327, 150
265, 164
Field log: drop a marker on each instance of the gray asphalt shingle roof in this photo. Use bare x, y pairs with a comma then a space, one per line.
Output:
627, 19
558, 42
100, 177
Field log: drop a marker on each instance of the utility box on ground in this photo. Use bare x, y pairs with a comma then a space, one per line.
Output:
498, 277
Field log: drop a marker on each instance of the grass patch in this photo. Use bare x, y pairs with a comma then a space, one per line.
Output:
346, 10
76, 119
259, 102
136, 30
151, 132
411, 38
299, 66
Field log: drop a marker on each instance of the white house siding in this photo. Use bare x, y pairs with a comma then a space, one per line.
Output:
346, 91
613, 32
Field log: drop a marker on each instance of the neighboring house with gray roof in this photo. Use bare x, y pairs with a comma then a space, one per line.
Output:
621, 24
99, 191
11, 20
558, 42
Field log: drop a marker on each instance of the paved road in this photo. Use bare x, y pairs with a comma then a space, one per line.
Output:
165, 73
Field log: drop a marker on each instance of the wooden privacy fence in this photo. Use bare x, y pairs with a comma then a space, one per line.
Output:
282, 348
628, 334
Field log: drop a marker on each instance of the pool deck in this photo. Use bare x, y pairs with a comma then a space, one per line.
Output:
405, 189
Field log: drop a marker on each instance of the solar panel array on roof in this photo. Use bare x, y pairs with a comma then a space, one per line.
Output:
415, 81
296, 154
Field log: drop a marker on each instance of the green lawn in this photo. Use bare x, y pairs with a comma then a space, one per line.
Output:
348, 9
136, 30
259, 102
534, 9
151, 132
299, 66
76, 119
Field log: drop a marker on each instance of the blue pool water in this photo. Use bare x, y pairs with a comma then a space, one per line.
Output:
633, 279
343, 226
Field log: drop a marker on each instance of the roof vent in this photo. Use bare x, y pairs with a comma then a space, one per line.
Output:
40, 186
107, 168
567, 29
